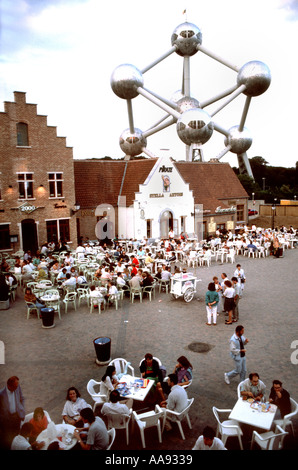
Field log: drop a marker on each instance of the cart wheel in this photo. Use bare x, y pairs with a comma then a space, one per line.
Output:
188, 294
175, 296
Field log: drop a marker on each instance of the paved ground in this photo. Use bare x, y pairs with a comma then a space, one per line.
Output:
48, 361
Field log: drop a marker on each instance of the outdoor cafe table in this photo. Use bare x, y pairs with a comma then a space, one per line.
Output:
64, 436
128, 387
251, 413
49, 299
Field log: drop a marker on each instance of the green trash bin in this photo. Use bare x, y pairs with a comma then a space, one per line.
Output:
102, 347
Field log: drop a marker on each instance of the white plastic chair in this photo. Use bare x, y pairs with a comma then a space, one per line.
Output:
97, 301
112, 434
119, 421
227, 428
70, 298
83, 294
149, 420
286, 421
97, 397
238, 389
178, 417
122, 367
135, 292
269, 440
31, 307
114, 299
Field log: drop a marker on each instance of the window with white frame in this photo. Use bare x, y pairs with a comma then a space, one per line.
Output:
56, 184
25, 183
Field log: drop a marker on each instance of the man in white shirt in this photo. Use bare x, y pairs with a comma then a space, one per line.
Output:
20, 442
208, 441
115, 407
166, 275
70, 281
177, 399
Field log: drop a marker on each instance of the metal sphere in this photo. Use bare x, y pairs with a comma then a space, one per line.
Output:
240, 141
195, 127
132, 144
125, 80
255, 76
186, 38
186, 103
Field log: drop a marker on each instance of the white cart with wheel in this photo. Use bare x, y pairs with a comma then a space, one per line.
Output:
184, 285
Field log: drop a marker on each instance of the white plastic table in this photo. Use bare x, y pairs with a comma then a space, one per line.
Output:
250, 413
135, 393
65, 443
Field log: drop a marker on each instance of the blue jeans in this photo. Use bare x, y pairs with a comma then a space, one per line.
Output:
240, 368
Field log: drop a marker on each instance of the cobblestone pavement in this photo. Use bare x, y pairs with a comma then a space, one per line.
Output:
48, 361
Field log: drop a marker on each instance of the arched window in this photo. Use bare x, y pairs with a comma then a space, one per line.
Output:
22, 134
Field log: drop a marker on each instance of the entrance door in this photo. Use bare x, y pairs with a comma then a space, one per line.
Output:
29, 235
166, 224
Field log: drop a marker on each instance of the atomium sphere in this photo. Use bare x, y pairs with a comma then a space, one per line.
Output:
187, 103
132, 143
125, 80
240, 141
195, 127
255, 76
186, 38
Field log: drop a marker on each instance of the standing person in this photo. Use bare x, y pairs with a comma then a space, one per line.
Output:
224, 278
211, 301
238, 354
97, 438
237, 297
239, 273
219, 290
12, 411
228, 295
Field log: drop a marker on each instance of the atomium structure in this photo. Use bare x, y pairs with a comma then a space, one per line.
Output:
194, 125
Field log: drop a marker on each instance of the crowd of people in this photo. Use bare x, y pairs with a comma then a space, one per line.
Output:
136, 266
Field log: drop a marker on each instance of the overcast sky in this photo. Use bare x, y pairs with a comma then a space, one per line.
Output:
62, 54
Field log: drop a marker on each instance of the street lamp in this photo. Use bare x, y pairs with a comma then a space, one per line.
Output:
253, 199
264, 179
273, 212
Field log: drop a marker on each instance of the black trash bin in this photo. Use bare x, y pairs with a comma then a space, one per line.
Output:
102, 347
47, 317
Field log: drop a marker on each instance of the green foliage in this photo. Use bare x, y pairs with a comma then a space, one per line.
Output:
270, 182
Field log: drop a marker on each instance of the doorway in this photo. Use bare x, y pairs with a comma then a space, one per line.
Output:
166, 223
29, 235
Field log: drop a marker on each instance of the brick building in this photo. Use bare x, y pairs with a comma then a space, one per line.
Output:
148, 197
36, 180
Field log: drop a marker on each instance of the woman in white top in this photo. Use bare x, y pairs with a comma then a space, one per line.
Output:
109, 381
73, 406
229, 294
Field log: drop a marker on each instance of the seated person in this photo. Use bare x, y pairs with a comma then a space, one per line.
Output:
166, 273
109, 381
62, 275
31, 298
20, 442
120, 281
39, 423
112, 290
73, 406
81, 280
147, 279
177, 399
97, 437
113, 407
208, 441
183, 369
134, 282
70, 281
150, 369
280, 397
253, 387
